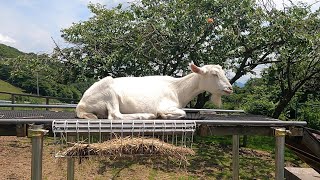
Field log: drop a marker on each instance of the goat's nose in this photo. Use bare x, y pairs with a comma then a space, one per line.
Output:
230, 88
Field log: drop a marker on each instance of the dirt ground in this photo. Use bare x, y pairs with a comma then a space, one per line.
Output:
212, 163
15, 158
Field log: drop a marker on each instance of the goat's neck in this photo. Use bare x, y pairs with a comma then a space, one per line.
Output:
188, 88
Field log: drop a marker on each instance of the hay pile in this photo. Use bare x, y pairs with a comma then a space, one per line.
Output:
119, 147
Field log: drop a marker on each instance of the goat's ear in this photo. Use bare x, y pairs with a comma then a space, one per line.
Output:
196, 69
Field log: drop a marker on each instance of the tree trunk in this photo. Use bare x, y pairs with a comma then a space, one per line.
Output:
201, 100
238, 75
282, 104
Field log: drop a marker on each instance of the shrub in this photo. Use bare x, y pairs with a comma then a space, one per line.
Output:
259, 107
311, 114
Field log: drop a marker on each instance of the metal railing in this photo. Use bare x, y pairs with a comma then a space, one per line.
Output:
47, 99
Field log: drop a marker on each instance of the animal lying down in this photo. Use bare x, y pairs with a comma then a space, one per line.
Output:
151, 97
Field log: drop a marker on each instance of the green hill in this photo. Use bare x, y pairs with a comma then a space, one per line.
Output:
9, 52
6, 87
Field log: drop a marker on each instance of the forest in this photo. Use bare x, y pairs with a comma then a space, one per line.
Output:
161, 37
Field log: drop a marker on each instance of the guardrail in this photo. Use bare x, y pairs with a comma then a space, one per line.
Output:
47, 106
47, 98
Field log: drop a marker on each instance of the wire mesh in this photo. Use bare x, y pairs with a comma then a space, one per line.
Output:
176, 132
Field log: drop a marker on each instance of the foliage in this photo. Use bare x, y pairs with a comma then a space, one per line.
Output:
256, 97
162, 37
310, 112
235, 100
259, 107
25, 71
9, 52
299, 57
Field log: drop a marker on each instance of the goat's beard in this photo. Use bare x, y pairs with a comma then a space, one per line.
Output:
216, 99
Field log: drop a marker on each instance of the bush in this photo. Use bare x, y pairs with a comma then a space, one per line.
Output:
259, 107
310, 114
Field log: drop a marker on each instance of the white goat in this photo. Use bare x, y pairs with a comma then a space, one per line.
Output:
151, 96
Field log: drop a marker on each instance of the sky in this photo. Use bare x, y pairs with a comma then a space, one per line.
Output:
28, 25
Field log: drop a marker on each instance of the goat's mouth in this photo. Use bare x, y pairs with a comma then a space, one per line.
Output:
227, 91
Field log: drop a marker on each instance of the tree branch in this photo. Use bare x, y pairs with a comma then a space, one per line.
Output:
240, 72
60, 51
288, 74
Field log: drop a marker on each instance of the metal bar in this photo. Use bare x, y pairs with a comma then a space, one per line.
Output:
280, 134
310, 141
70, 168
39, 105
240, 130
212, 110
206, 122
36, 133
32, 95
36, 161
70, 161
251, 123
235, 157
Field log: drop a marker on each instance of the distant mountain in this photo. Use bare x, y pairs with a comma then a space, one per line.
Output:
239, 84
9, 52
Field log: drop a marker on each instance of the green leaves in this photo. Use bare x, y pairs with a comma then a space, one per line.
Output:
161, 37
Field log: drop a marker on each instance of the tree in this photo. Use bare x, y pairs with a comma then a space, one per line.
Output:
39, 73
299, 57
162, 36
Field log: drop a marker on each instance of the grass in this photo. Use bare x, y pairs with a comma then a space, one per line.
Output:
6, 87
256, 160
213, 160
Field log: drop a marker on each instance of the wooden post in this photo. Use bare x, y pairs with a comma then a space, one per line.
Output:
235, 157
47, 102
12, 100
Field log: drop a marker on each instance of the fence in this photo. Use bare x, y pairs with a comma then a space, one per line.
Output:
47, 98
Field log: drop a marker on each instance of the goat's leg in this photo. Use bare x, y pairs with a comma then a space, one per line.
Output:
114, 110
118, 115
172, 113
89, 116
83, 114
138, 116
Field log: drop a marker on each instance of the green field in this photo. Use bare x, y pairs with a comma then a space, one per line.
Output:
6, 87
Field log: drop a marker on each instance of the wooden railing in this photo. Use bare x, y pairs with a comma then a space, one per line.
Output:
47, 98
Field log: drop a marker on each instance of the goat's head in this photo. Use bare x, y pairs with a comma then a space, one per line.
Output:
213, 80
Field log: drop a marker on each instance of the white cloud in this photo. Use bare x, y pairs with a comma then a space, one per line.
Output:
6, 39
32, 23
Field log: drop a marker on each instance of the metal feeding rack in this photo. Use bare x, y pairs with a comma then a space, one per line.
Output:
176, 132
67, 129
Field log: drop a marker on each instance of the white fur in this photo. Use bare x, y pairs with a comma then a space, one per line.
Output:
151, 96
